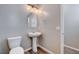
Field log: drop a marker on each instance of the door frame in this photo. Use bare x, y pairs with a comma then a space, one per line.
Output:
61, 29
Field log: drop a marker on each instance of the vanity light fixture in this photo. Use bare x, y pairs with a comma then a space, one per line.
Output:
35, 8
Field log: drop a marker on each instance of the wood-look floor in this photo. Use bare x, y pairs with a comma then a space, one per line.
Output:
39, 51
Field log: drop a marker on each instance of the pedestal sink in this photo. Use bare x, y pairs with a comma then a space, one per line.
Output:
34, 36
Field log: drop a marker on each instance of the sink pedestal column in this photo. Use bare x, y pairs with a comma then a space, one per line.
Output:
34, 44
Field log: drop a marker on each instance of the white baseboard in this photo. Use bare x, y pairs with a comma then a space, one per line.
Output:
27, 49
46, 50
71, 48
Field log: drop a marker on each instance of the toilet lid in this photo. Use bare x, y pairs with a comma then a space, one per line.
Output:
17, 50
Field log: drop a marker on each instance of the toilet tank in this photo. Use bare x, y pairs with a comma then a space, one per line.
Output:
14, 42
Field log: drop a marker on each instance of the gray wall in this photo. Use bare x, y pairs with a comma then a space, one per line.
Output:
71, 25
48, 24
13, 22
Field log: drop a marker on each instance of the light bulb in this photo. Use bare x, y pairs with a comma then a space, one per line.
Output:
36, 11
31, 10
40, 11
28, 7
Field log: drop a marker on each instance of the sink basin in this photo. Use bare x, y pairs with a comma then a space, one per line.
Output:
34, 34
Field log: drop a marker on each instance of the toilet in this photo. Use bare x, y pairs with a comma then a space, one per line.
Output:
14, 45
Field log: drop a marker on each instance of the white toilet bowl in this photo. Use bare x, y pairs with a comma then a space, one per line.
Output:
17, 50
14, 45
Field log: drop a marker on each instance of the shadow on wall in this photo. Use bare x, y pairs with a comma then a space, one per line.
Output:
4, 46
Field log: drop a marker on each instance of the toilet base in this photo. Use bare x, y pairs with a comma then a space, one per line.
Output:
17, 50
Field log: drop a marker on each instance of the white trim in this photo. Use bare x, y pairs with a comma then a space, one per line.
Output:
71, 48
27, 49
46, 50
62, 30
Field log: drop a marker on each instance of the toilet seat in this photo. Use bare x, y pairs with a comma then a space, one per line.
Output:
17, 50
